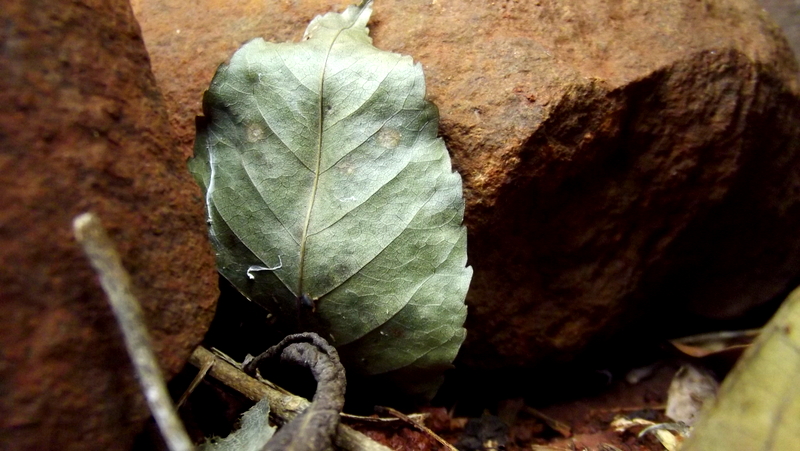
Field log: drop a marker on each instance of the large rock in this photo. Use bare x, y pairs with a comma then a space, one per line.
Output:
83, 127
619, 158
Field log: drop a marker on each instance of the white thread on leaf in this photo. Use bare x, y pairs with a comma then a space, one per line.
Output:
256, 268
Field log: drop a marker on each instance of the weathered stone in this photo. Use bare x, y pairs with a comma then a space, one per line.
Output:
619, 158
82, 127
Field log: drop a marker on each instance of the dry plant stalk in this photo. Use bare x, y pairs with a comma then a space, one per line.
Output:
116, 283
419, 426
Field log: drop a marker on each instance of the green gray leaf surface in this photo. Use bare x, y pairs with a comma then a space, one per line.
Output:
324, 176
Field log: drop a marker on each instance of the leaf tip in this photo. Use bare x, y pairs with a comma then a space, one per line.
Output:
355, 17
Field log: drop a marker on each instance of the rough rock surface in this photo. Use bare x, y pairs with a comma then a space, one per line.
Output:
82, 127
619, 158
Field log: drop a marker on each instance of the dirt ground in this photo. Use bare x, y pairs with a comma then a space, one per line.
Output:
582, 424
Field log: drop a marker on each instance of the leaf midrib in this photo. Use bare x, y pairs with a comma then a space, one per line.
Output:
320, 129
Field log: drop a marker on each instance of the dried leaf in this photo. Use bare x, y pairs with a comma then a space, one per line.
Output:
691, 388
704, 345
332, 202
254, 433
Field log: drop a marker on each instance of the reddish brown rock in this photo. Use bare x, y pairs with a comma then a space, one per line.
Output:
83, 127
619, 158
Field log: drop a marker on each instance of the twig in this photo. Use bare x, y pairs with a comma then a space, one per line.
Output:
558, 426
283, 406
117, 285
351, 418
421, 427
195, 382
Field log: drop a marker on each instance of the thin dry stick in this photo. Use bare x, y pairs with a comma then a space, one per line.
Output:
116, 283
421, 427
195, 382
283, 406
